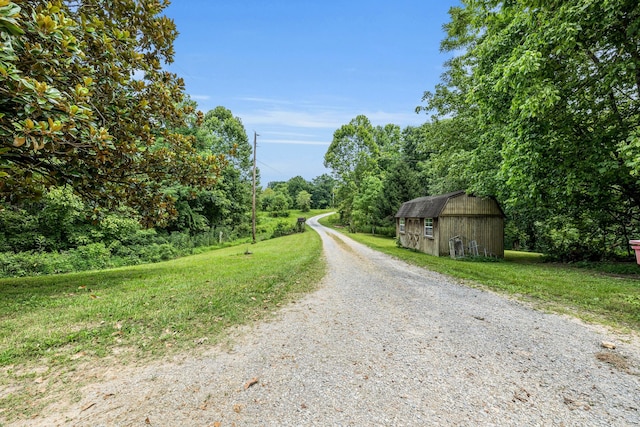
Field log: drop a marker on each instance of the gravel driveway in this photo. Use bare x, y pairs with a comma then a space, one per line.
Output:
382, 343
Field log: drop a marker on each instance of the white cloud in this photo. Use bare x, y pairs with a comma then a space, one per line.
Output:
327, 118
200, 97
265, 100
295, 119
294, 142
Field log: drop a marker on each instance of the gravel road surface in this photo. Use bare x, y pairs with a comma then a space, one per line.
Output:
382, 343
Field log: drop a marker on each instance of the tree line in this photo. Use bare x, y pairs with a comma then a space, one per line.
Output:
102, 152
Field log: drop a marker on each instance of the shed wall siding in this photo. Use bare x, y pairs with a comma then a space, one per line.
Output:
488, 232
467, 205
414, 238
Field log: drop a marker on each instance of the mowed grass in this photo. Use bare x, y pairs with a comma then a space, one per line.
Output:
53, 323
587, 294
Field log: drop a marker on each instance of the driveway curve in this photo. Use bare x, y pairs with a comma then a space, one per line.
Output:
383, 343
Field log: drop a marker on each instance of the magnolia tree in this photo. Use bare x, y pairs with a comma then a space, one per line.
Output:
85, 102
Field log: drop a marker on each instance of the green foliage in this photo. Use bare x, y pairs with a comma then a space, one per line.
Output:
229, 202
277, 201
283, 228
119, 241
297, 184
361, 157
323, 191
365, 210
75, 113
303, 201
223, 133
353, 153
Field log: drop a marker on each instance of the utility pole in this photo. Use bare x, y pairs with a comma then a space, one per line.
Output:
253, 211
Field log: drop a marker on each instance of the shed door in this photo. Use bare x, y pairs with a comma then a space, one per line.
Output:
414, 232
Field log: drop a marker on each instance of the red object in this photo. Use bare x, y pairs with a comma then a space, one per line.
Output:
635, 245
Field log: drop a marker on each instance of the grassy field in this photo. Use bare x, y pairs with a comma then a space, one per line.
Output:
50, 325
586, 293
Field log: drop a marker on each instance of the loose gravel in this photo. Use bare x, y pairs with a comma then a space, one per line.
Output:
383, 343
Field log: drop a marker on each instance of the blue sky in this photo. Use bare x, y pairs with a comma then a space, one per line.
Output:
295, 71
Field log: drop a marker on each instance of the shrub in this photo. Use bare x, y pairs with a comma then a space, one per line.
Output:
282, 228
90, 257
279, 214
117, 227
33, 263
181, 240
158, 252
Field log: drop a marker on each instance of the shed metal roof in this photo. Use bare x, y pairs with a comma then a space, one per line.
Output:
426, 207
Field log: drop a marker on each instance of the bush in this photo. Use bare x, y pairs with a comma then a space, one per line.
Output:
143, 237
181, 240
158, 252
282, 229
90, 257
33, 263
116, 227
280, 214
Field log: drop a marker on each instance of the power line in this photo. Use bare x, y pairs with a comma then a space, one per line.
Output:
270, 167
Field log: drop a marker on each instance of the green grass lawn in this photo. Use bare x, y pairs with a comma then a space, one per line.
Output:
54, 323
586, 293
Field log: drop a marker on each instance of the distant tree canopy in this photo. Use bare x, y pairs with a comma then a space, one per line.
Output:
316, 194
84, 102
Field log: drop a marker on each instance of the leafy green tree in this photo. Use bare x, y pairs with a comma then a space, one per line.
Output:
228, 204
353, 152
59, 221
275, 184
553, 89
365, 209
276, 201
279, 205
399, 184
353, 155
85, 102
223, 133
303, 201
297, 184
322, 191
61, 213
264, 199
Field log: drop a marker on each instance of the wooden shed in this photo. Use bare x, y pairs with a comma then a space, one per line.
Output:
452, 224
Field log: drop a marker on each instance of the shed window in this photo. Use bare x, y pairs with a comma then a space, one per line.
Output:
402, 225
428, 227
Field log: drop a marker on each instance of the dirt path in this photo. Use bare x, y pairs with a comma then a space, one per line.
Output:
381, 343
